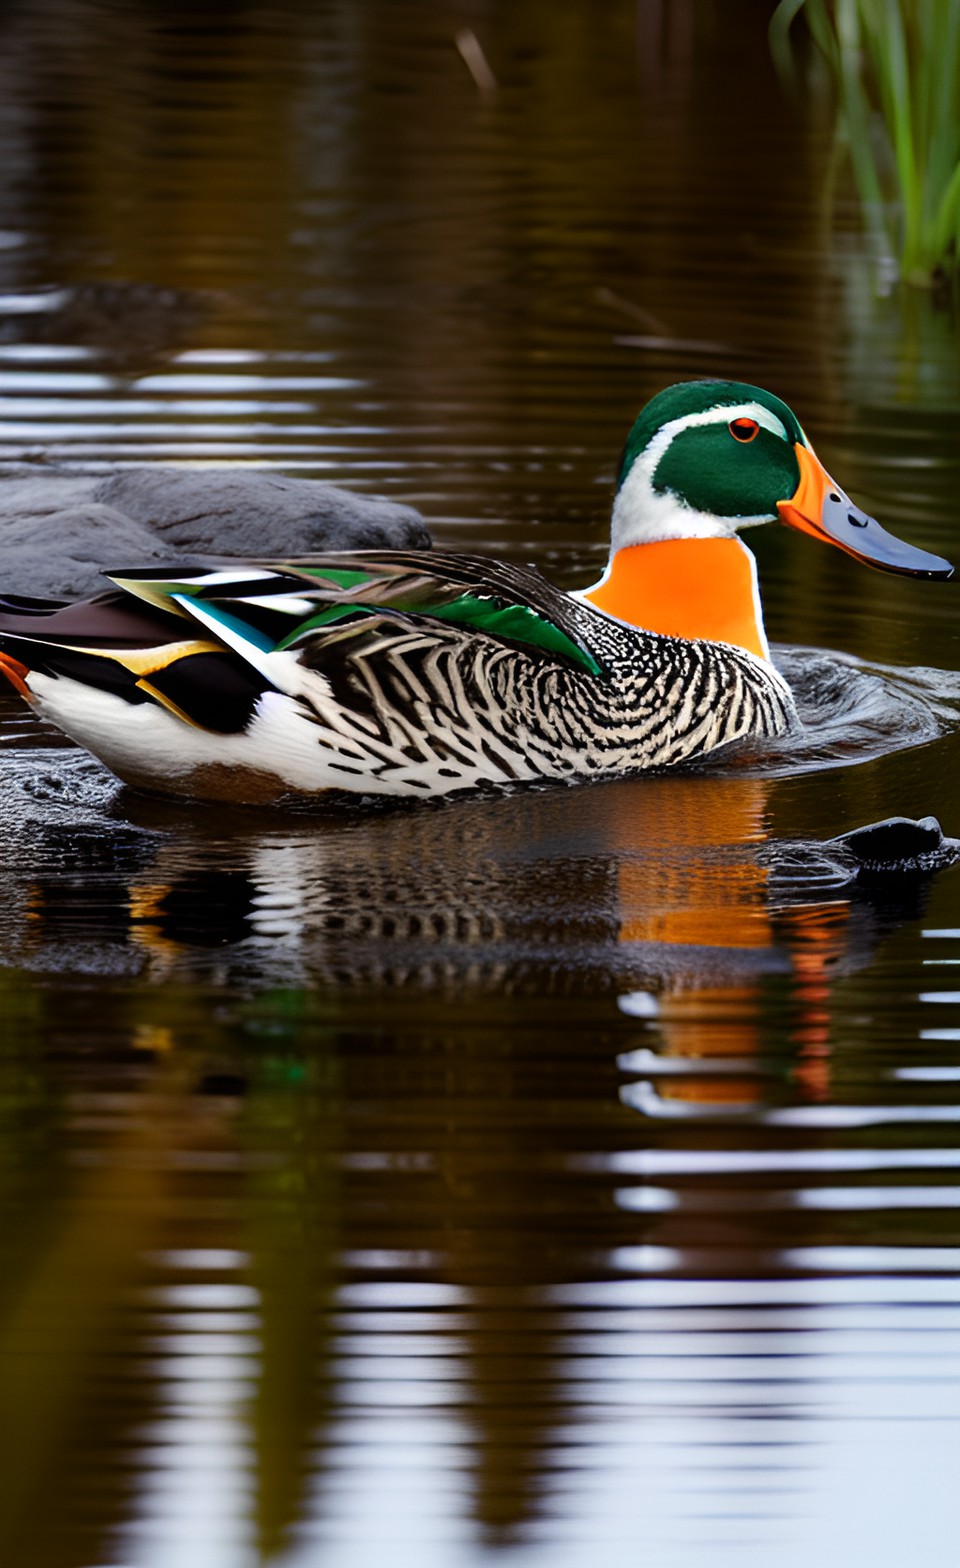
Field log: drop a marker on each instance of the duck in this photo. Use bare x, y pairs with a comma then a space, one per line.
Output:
427, 673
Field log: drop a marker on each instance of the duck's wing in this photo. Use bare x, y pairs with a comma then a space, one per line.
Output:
207, 640
263, 608
130, 649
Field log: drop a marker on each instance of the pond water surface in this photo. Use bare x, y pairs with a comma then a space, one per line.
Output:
542, 1179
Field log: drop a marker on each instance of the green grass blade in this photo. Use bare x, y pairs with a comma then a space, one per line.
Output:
897, 68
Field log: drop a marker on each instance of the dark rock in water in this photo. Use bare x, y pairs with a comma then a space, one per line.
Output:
239, 512
897, 849
881, 874
62, 550
900, 844
60, 531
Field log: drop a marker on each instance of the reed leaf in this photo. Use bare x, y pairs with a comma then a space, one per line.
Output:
896, 64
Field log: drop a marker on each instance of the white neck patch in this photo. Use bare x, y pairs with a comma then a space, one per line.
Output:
642, 515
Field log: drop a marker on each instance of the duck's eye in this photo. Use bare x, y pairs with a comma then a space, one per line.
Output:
743, 429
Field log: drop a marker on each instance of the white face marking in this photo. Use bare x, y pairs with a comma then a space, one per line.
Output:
642, 514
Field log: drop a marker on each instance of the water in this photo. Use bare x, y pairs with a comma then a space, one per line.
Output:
544, 1178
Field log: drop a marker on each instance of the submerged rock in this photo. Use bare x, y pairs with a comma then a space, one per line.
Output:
59, 531
899, 846
897, 849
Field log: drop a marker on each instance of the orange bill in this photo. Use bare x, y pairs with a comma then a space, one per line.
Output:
819, 507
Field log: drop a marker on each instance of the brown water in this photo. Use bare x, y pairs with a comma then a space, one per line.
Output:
535, 1179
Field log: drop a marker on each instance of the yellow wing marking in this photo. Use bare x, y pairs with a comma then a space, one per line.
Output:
165, 702
146, 661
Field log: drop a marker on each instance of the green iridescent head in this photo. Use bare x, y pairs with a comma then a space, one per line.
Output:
706, 458
724, 449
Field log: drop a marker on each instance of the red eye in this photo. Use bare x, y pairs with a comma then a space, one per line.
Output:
743, 429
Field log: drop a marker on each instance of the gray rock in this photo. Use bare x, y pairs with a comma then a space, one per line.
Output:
239, 512
60, 531
62, 553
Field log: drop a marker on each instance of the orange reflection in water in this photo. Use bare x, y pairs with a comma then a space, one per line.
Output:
706, 889
685, 896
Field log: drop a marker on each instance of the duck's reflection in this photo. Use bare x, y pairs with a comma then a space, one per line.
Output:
432, 1152
672, 882
715, 910
362, 1261
674, 893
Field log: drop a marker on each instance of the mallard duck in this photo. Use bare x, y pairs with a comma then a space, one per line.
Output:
421, 672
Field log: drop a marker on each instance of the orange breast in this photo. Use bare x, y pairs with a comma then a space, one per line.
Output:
685, 588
